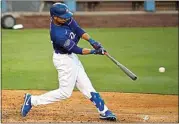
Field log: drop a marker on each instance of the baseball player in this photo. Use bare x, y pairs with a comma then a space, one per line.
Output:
65, 34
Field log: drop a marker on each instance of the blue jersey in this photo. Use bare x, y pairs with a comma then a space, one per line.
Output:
65, 37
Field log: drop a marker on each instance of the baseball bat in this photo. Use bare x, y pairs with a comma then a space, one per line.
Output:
122, 67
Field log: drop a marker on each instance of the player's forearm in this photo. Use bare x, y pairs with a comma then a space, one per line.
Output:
96, 45
86, 37
86, 51
82, 51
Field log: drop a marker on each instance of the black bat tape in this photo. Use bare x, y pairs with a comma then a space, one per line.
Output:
123, 68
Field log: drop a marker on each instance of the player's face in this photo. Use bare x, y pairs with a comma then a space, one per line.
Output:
60, 20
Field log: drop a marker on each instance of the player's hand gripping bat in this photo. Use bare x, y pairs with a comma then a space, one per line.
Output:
122, 67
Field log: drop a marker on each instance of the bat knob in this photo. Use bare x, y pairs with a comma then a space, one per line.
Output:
135, 78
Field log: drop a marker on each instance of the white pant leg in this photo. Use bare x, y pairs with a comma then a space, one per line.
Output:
67, 67
83, 83
85, 86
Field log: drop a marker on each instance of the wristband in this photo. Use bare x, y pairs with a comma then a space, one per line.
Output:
91, 41
92, 51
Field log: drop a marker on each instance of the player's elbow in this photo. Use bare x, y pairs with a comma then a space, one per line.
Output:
76, 50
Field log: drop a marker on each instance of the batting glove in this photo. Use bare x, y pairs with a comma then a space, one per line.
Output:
96, 45
100, 51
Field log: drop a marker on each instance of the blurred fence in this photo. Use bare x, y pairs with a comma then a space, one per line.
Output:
96, 13
85, 5
15, 6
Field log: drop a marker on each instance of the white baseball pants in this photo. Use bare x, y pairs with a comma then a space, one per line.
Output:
70, 73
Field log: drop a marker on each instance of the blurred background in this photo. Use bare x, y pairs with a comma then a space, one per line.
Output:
87, 9
89, 5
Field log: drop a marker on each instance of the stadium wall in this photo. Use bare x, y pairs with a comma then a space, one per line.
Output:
107, 20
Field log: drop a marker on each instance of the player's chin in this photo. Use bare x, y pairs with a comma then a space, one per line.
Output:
62, 22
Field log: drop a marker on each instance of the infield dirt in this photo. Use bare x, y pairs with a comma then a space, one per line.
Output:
129, 107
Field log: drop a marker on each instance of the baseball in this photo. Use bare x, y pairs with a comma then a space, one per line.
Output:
161, 69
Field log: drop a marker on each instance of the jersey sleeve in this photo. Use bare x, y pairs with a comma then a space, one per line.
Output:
78, 30
64, 42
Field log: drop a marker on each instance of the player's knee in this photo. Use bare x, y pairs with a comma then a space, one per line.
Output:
66, 93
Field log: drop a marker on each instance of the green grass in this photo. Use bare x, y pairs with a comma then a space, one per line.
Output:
27, 60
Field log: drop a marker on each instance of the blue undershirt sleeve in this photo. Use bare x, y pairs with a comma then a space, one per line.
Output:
76, 50
78, 30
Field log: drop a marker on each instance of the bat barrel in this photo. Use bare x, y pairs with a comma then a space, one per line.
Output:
128, 72
123, 68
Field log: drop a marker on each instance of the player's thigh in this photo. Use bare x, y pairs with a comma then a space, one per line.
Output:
83, 83
67, 72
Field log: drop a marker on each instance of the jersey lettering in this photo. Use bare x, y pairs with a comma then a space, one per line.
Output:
72, 35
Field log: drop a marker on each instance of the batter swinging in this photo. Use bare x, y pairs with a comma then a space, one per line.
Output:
65, 34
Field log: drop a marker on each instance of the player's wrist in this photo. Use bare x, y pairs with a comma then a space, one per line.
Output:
92, 51
91, 41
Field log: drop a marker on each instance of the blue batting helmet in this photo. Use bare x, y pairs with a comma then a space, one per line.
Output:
60, 10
